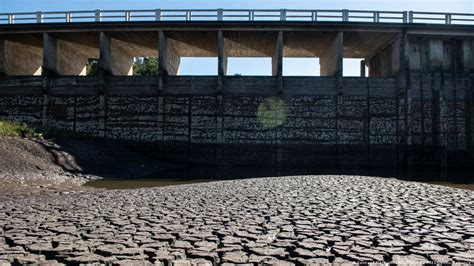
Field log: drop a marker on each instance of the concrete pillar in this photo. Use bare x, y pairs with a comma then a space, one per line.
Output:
20, 58
115, 59
435, 55
467, 55
222, 58
414, 55
331, 60
277, 58
395, 58
362, 68
3, 70
168, 58
50, 48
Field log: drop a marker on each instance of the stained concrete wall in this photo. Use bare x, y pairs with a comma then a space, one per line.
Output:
66, 57
17, 58
308, 123
331, 60
385, 63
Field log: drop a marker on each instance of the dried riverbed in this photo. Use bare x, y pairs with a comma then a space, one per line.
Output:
296, 219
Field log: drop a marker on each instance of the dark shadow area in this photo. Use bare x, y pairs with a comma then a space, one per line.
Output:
139, 164
199, 174
114, 159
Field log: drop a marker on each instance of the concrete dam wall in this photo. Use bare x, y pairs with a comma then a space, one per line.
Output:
309, 123
413, 110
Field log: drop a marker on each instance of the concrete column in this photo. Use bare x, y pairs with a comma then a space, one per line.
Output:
20, 58
414, 55
50, 59
435, 55
467, 55
168, 58
277, 58
331, 60
3, 70
115, 58
222, 58
362, 68
395, 62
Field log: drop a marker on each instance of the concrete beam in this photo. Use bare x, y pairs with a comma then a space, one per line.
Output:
169, 59
277, 58
331, 61
222, 59
115, 58
65, 57
20, 58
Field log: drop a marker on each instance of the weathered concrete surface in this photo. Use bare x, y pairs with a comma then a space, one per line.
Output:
298, 219
21, 55
250, 122
65, 54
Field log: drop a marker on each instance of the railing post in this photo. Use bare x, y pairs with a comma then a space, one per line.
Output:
345, 15
448, 18
158, 14
127, 16
39, 17
220, 14
410, 17
68, 17
282, 14
11, 19
98, 16
376, 17
314, 16
405, 17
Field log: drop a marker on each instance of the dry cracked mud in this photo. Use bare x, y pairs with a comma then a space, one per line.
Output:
298, 220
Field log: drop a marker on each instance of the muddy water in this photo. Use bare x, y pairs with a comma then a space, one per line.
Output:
189, 175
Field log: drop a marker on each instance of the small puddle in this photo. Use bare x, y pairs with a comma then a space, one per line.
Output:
460, 180
139, 183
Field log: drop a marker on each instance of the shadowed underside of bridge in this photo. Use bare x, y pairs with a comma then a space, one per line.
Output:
414, 109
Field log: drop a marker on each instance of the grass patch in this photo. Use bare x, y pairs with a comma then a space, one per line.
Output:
23, 130
16, 129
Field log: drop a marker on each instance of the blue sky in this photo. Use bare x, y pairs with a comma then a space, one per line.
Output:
245, 66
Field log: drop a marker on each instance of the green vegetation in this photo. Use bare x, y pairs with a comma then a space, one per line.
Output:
23, 130
92, 67
145, 66
142, 66
15, 129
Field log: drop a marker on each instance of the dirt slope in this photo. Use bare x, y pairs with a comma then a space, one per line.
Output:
65, 164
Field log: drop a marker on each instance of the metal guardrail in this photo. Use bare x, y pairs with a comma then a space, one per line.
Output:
343, 15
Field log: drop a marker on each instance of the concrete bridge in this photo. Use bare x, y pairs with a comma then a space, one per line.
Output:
413, 109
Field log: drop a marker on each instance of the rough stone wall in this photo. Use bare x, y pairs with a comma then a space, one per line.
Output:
309, 122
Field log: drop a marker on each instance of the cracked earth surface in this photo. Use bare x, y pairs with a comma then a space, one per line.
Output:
298, 220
